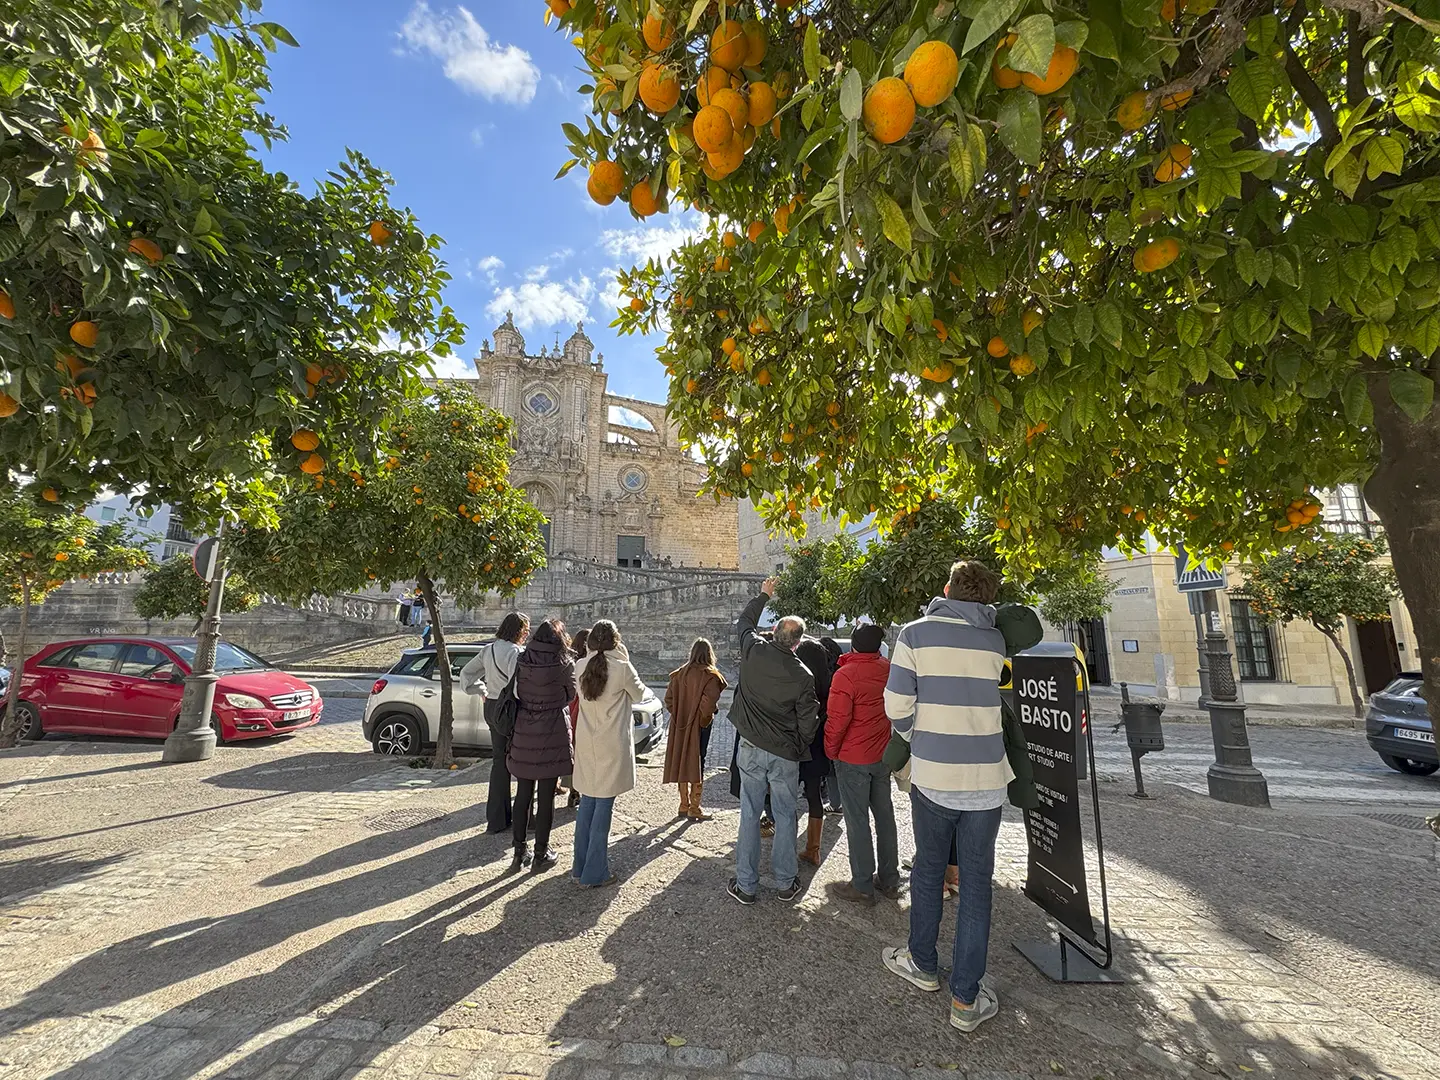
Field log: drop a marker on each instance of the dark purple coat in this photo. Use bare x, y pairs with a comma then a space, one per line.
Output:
541, 747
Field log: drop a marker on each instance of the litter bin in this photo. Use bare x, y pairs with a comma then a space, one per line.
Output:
1143, 733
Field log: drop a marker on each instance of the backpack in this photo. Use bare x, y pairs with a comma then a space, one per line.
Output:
505, 706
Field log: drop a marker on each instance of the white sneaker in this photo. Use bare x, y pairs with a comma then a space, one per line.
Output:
898, 960
986, 1005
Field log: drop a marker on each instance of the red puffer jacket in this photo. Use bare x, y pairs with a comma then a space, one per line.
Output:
856, 727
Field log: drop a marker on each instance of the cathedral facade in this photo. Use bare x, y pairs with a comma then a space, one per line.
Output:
607, 472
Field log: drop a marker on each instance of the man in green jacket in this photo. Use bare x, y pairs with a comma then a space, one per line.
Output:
776, 715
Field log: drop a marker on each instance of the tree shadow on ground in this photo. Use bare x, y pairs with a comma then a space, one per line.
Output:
315, 770
398, 975
36, 873
8, 843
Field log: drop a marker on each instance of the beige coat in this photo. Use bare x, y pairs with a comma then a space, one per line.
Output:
604, 736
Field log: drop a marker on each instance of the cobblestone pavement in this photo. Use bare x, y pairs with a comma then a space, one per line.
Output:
362, 926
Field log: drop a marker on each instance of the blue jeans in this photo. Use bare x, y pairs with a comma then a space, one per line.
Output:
865, 790
762, 771
939, 833
592, 840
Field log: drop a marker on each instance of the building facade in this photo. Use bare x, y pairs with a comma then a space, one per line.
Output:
608, 472
158, 531
763, 551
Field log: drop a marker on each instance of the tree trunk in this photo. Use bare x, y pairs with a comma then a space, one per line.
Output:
444, 754
1405, 491
1355, 700
10, 729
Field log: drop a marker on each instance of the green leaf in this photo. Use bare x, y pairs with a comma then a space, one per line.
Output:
1019, 122
1347, 174
1034, 45
1384, 154
279, 33
1073, 33
696, 13
1413, 392
852, 93
992, 16
892, 218
960, 163
1355, 396
12, 79
1117, 229
1084, 322
1371, 338
1108, 318
1252, 85
1189, 326
203, 222
917, 208
1295, 311
812, 52
567, 167
1425, 335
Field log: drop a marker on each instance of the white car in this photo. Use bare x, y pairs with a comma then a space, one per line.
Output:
402, 714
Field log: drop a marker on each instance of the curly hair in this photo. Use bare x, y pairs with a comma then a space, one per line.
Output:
974, 581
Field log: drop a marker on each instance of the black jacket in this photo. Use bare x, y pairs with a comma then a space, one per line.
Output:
775, 707
816, 657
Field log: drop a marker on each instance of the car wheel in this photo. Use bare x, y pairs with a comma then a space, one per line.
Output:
396, 736
30, 726
215, 727
1409, 765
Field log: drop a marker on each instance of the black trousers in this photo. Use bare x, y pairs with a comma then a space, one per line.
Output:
497, 803
704, 747
525, 792
812, 796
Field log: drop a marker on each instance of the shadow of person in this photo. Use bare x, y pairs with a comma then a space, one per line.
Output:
395, 974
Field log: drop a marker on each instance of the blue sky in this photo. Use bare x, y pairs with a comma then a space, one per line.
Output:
463, 106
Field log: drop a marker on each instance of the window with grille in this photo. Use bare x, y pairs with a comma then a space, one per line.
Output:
1254, 643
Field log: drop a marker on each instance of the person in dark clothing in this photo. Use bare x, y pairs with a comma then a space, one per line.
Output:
776, 715
541, 749
816, 657
488, 674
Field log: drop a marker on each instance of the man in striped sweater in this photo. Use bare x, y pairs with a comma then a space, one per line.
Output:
943, 695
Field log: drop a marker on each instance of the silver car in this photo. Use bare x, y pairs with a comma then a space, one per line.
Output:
402, 714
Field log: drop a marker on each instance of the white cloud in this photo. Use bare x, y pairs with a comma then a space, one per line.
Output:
471, 59
538, 273
488, 266
452, 367
543, 303
610, 298
644, 242
629, 418
477, 136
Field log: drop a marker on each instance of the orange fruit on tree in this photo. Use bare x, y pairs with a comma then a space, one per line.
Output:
658, 31
714, 129
737, 361
312, 464
1006, 78
754, 231
931, 73
734, 103
755, 44
888, 111
730, 239
1063, 62
747, 138
86, 394
726, 160
728, 346
147, 250
636, 304
305, 440
691, 385
1311, 510
762, 103
1031, 321
781, 218
8, 405
746, 469
1168, 10
832, 409
642, 199
943, 372
1227, 545
763, 378
598, 192
1177, 100
728, 46
941, 330
85, 333
760, 325
711, 79
1134, 112
559, 8
50, 495
380, 233
1157, 255
776, 456
775, 127
1022, 365
1173, 163
608, 180
722, 264
7, 306
659, 88
997, 348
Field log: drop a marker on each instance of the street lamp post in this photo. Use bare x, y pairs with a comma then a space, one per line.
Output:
193, 738
1233, 777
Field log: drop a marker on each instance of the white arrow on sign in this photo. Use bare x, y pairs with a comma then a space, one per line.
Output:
1073, 890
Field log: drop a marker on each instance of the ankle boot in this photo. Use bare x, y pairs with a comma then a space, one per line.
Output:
811, 854
696, 814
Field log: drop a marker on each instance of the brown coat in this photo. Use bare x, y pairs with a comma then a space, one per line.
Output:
691, 699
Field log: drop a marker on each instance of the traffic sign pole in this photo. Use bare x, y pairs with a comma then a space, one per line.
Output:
194, 738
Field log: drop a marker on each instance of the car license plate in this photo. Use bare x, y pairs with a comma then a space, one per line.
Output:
297, 714
1413, 735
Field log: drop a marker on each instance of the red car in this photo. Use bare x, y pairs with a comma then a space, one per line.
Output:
132, 686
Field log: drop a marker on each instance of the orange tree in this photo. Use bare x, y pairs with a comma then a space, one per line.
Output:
1162, 266
173, 590
438, 511
41, 548
168, 304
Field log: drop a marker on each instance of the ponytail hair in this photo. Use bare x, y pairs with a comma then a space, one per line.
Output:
604, 636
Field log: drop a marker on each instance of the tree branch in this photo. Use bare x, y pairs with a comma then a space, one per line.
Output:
1354, 62
1314, 98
